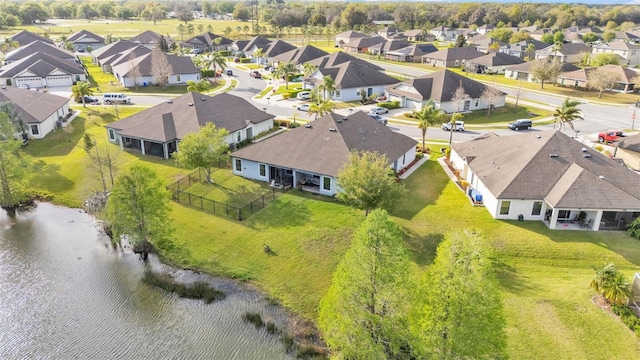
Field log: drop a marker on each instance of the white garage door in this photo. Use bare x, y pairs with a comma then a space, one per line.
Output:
59, 81
34, 82
412, 104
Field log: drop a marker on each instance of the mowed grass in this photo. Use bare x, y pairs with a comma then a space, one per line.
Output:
229, 189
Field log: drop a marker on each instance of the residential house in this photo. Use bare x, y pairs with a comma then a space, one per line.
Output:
139, 71
25, 37
524, 72
158, 130
389, 45
39, 46
419, 35
444, 33
206, 42
539, 33
120, 52
485, 29
300, 55
522, 49
391, 32
625, 82
629, 53
351, 78
572, 35
151, 39
40, 110
492, 63
40, 70
411, 53
628, 149
310, 157
486, 44
362, 45
347, 37
451, 57
440, 87
339, 57
83, 40
571, 53
272, 49
548, 176
627, 37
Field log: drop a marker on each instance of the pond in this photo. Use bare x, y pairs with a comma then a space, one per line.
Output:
67, 294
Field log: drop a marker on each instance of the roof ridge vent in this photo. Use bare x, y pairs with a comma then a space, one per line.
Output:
553, 155
333, 129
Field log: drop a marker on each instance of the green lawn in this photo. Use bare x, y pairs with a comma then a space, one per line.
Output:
229, 189
501, 115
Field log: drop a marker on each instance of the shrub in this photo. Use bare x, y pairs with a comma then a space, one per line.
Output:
395, 104
197, 290
245, 60
294, 125
286, 96
287, 341
633, 229
282, 123
419, 155
308, 352
253, 318
409, 115
599, 148
208, 73
271, 327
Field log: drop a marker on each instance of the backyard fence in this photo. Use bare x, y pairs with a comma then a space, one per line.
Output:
180, 194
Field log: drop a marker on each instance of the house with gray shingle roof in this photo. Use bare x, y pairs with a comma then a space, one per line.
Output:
571, 53
337, 58
440, 87
273, 49
629, 53
300, 55
523, 71
38, 109
84, 39
389, 45
521, 49
362, 45
157, 131
625, 78
39, 46
492, 63
206, 42
40, 70
348, 36
411, 53
452, 57
310, 157
25, 37
151, 39
138, 71
548, 176
628, 149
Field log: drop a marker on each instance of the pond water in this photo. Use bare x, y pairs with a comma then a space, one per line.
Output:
65, 293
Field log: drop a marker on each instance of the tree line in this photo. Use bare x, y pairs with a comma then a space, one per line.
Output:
338, 15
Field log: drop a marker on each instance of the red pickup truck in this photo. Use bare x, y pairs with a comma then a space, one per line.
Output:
610, 136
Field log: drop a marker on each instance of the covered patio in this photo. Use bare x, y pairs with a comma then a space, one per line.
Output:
146, 147
589, 219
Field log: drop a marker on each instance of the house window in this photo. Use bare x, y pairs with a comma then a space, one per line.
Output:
457, 62
326, 183
537, 208
504, 207
564, 214
263, 170
336, 94
177, 78
238, 165
477, 102
35, 130
239, 137
112, 134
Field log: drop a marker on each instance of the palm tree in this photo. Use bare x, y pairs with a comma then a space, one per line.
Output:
258, 54
567, 113
321, 109
427, 116
284, 69
80, 90
328, 86
213, 61
308, 69
200, 86
618, 290
602, 277
456, 116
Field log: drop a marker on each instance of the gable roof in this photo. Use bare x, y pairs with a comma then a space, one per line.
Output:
359, 132
179, 64
350, 34
39, 46
522, 45
459, 53
25, 37
255, 41
149, 37
520, 167
206, 39
391, 45
278, 47
567, 49
620, 45
485, 41
126, 55
224, 110
625, 75
24, 100
355, 74
112, 49
414, 32
364, 42
625, 35
630, 143
439, 86
526, 67
337, 58
415, 50
42, 65
496, 59
301, 55
86, 37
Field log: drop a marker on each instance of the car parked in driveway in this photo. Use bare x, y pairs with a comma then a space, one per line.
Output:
378, 110
379, 119
448, 127
303, 95
255, 74
520, 124
303, 107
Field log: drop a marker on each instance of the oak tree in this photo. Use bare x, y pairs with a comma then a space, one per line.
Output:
203, 149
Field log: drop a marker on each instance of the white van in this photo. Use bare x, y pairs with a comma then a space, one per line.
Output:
304, 95
112, 98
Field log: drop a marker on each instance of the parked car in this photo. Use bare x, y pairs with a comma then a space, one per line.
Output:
109, 98
303, 95
196, 51
303, 107
448, 127
610, 136
229, 72
255, 74
378, 110
379, 119
236, 59
520, 124
89, 100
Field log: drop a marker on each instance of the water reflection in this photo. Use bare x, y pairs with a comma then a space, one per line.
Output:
66, 294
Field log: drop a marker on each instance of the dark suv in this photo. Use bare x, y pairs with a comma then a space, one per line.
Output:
520, 124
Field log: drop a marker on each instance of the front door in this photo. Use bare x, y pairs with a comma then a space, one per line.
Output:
249, 133
467, 105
